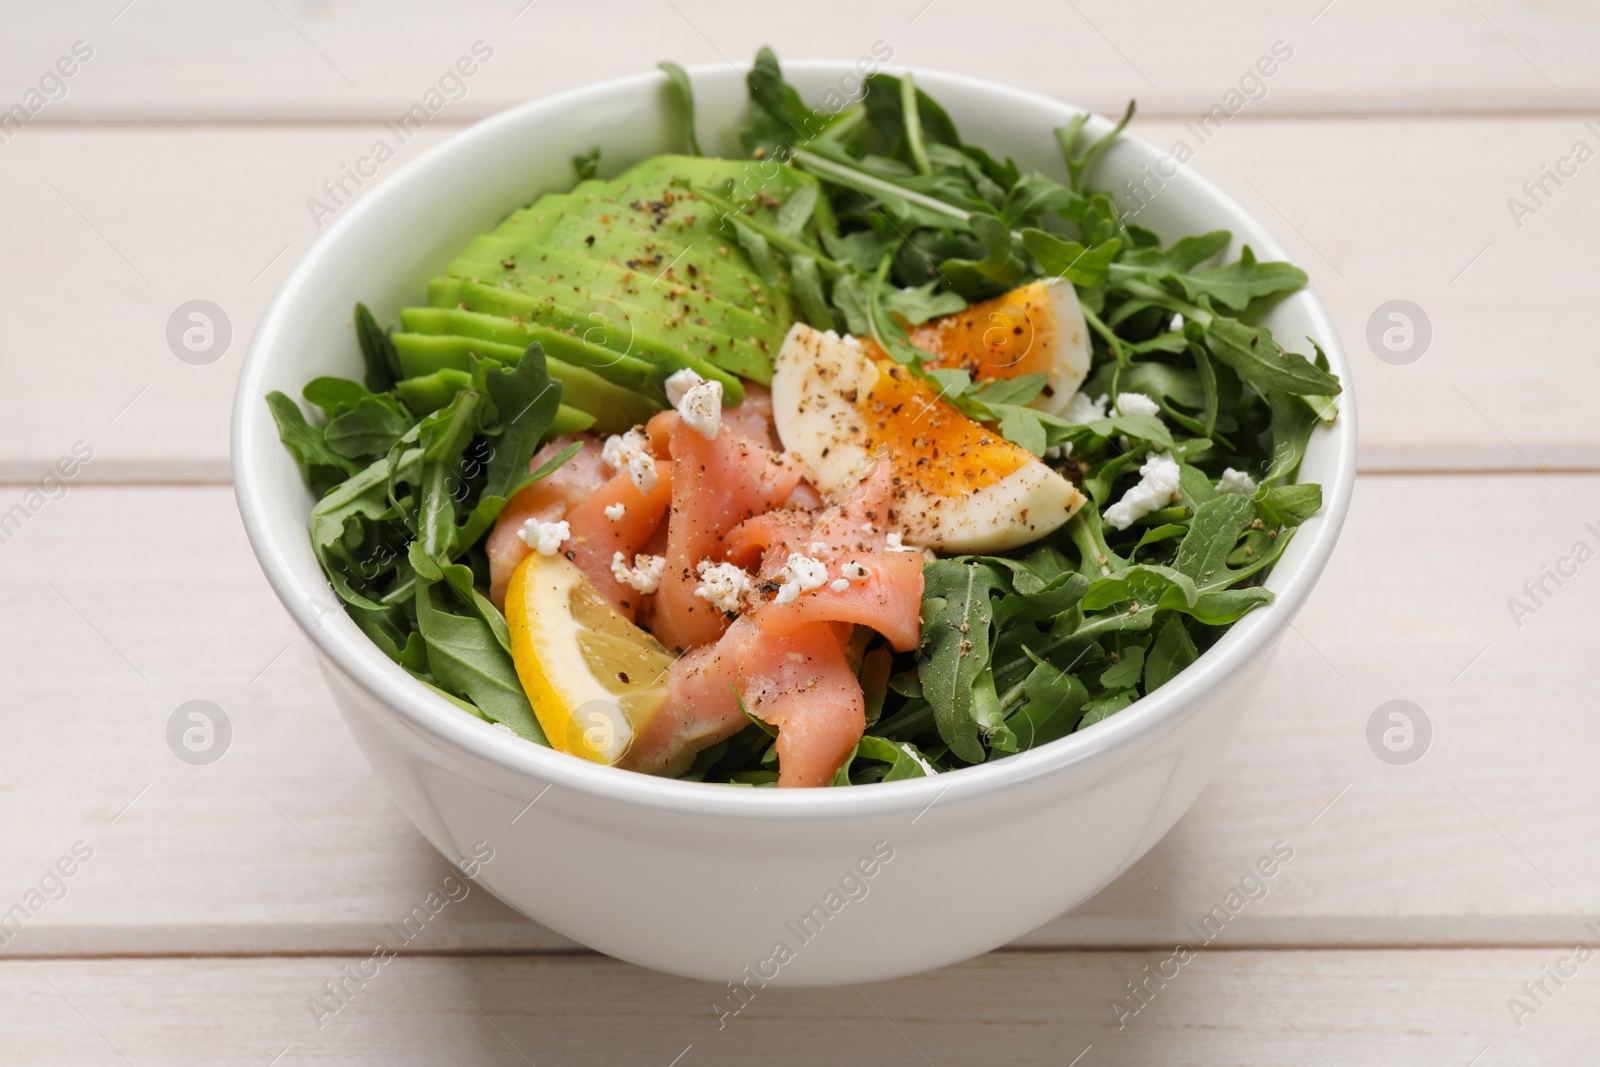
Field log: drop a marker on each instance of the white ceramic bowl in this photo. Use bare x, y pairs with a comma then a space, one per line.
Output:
705, 880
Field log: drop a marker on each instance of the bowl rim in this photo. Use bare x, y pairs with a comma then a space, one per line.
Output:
361, 661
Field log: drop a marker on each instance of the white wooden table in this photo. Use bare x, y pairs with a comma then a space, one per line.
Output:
218, 900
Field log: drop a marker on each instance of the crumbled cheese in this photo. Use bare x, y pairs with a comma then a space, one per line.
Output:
819, 548
645, 574
838, 585
1080, 410
892, 543
855, 572
852, 340
867, 528
1136, 404
1236, 482
800, 575
546, 538
1176, 324
1061, 451
701, 409
614, 512
1158, 481
679, 383
631, 452
724, 585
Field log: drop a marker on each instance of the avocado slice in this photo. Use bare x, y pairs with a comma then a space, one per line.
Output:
589, 324
431, 392
614, 408
646, 244
613, 365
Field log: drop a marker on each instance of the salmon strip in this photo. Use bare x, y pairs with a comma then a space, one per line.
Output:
889, 600
702, 708
716, 484
546, 500
799, 682
597, 538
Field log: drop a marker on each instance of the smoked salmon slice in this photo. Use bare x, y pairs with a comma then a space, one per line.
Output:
799, 682
717, 483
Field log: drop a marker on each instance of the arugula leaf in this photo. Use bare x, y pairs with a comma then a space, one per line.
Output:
1291, 426
1060, 258
778, 117
467, 660
1262, 365
903, 757
1055, 701
526, 398
796, 211
319, 464
377, 351
919, 304
444, 435
956, 616
1003, 268
1242, 281
369, 429
1105, 706
365, 495
1289, 505
679, 79
1080, 161
756, 247
1033, 195
1125, 672
805, 282
1172, 651
585, 165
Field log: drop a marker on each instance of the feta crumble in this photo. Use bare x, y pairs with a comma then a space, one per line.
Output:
855, 572
800, 575
838, 585
1158, 481
545, 538
701, 409
818, 548
645, 574
1136, 404
727, 587
614, 512
1080, 409
679, 383
1236, 482
631, 452
892, 543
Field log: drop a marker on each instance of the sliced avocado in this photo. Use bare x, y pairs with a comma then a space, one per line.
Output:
638, 265
642, 285
627, 371
614, 408
431, 392
591, 326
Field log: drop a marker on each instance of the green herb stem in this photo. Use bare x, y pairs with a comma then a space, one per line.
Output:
790, 244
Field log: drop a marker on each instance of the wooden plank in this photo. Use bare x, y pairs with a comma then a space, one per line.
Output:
104, 210
139, 599
1290, 1008
361, 60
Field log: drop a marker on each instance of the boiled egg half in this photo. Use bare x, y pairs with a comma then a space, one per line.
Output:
958, 485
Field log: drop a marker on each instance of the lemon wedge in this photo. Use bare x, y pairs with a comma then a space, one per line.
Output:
595, 679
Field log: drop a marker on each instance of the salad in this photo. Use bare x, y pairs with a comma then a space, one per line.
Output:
866, 456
